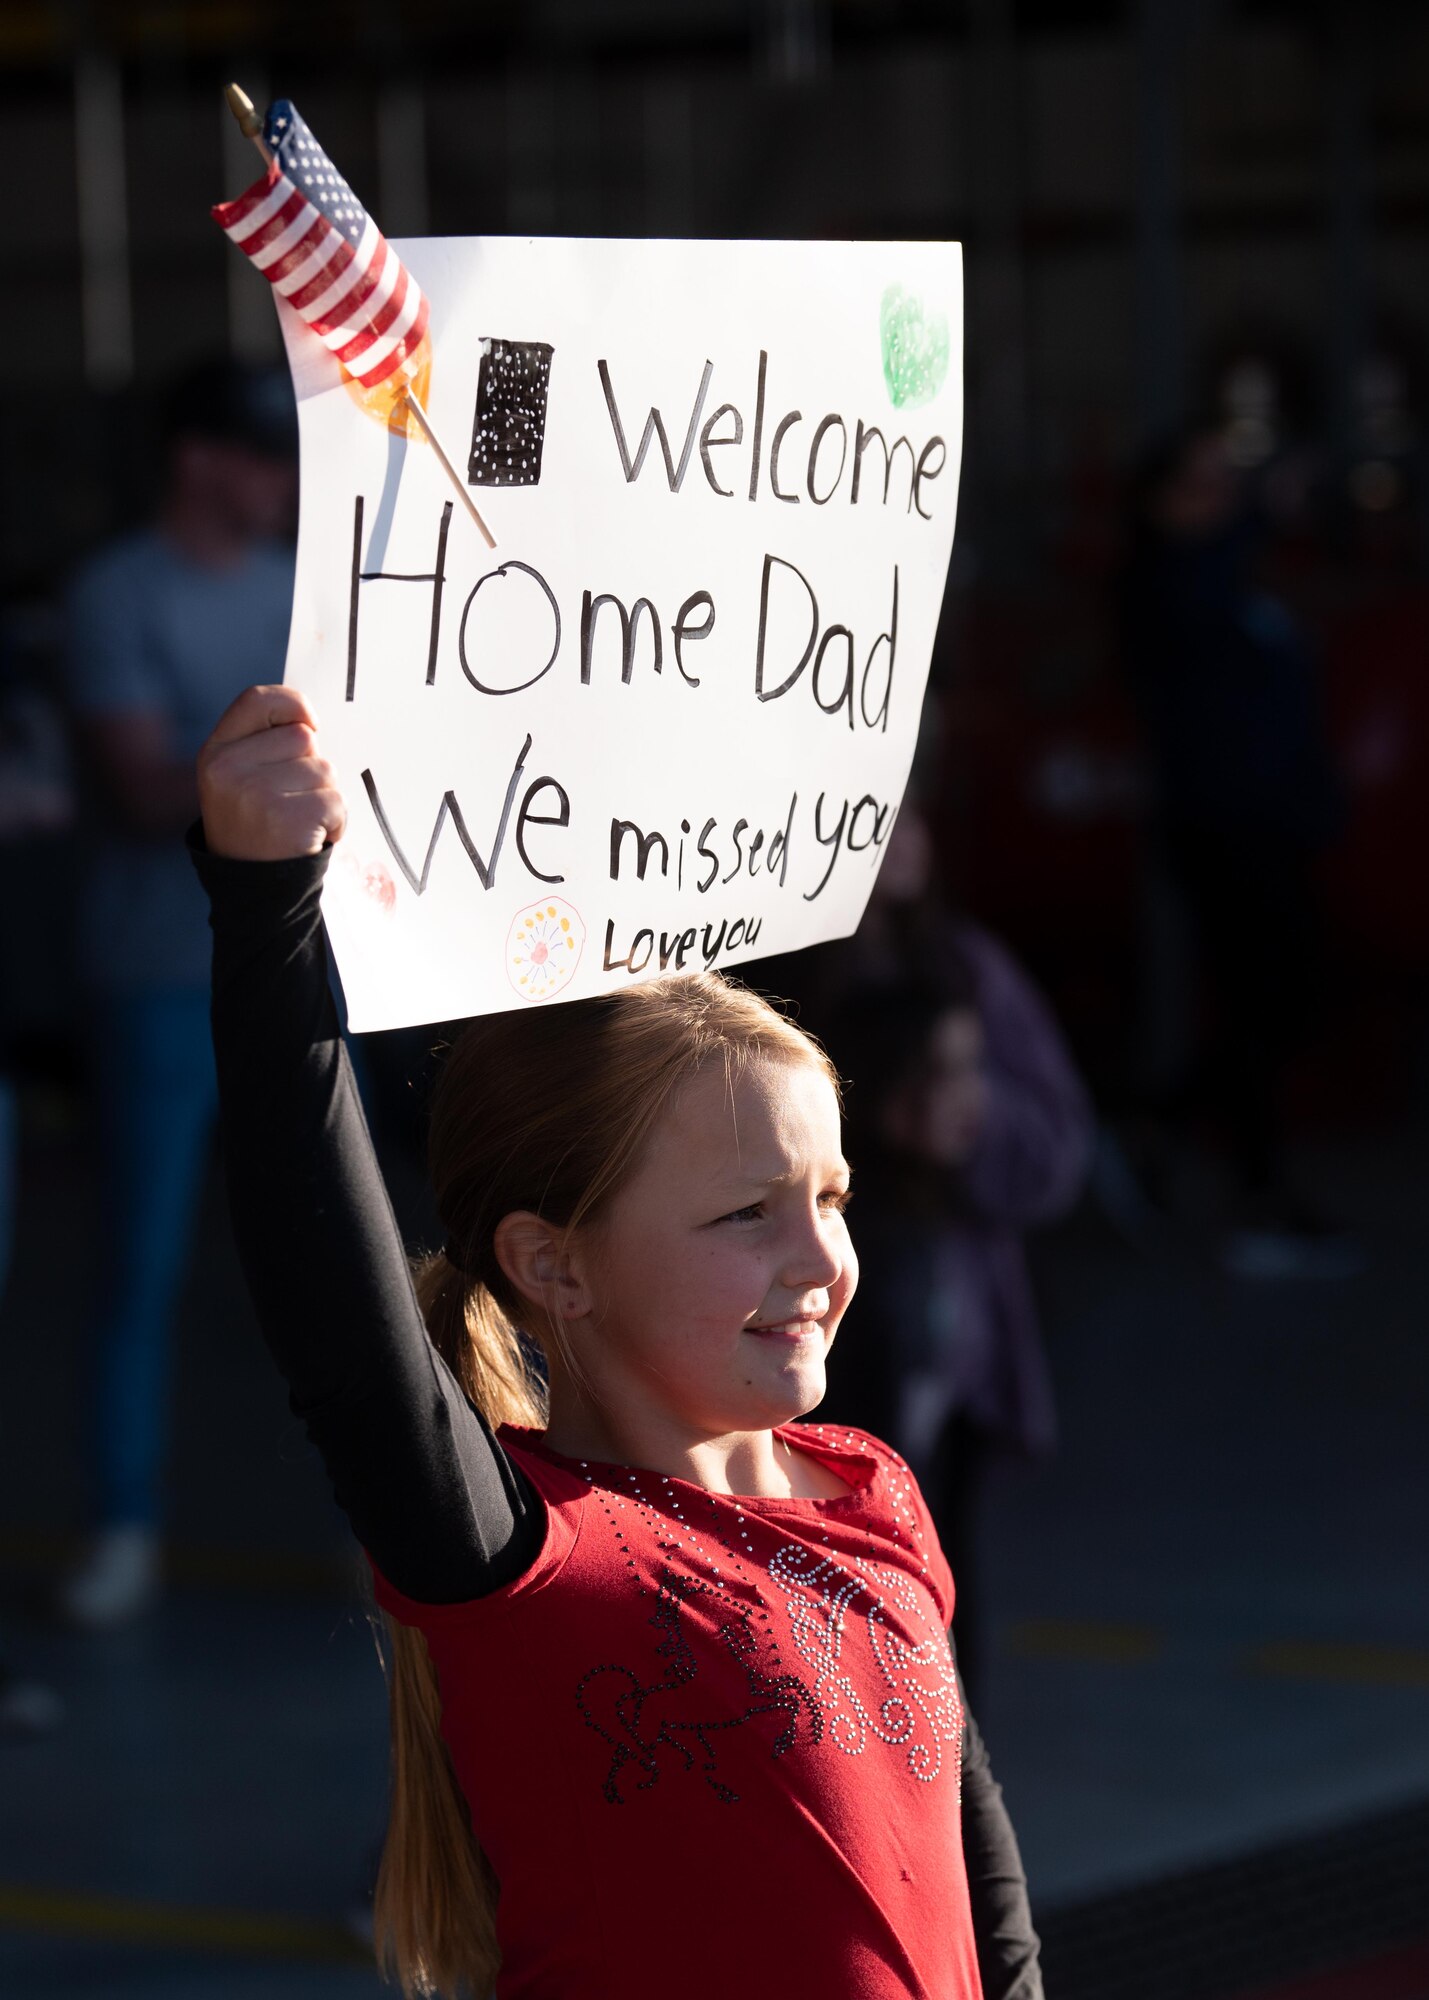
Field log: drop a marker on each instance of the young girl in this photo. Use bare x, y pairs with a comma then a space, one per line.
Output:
673, 1705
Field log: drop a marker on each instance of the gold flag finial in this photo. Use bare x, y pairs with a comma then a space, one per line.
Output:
241, 105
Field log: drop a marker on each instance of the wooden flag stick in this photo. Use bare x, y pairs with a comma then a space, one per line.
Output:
448, 468
251, 126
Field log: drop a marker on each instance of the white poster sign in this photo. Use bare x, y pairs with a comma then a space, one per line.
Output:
667, 723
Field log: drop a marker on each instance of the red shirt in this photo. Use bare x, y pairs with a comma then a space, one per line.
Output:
713, 1744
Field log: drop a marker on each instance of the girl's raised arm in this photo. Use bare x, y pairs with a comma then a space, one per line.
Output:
429, 1492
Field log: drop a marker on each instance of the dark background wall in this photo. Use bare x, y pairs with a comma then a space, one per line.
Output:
1142, 190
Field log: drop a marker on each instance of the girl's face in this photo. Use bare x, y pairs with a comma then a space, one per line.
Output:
722, 1268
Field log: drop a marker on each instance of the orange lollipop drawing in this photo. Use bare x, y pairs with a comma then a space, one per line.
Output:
543, 948
302, 226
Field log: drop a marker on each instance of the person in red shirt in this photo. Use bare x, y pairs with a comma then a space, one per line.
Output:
673, 1701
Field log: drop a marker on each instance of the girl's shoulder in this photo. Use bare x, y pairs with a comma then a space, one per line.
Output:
554, 1477
890, 1495
559, 1492
846, 1445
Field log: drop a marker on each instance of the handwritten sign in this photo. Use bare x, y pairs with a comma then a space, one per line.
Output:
668, 722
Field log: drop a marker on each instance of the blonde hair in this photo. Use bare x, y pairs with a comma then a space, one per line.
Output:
547, 1111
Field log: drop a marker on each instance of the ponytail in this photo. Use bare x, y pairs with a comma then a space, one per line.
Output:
434, 1911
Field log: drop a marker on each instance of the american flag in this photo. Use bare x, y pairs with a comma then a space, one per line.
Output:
310, 236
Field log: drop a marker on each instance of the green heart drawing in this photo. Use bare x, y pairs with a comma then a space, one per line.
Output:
915, 349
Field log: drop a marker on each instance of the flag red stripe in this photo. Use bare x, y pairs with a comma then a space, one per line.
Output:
408, 344
269, 231
326, 276
226, 213
297, 253
379, 322
350, 305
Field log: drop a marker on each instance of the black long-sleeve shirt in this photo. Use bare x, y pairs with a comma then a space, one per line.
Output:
428, 1490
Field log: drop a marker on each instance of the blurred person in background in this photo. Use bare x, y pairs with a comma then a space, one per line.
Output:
968, 1125
1247, 800
165, 627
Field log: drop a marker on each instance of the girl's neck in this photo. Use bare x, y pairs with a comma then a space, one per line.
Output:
753, 1464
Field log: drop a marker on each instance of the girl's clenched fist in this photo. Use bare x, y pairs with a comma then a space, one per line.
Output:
265, 793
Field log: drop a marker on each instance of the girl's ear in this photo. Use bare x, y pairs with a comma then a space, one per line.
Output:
542, 1267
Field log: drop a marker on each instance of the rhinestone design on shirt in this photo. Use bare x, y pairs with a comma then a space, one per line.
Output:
905, 1697
920, 1706
637, 1720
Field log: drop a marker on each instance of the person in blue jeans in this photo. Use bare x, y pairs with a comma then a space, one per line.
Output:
165, 626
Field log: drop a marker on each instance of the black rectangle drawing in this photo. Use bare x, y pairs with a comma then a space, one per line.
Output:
510, 426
